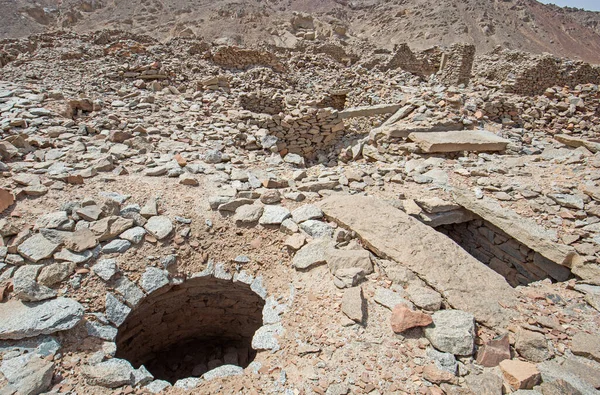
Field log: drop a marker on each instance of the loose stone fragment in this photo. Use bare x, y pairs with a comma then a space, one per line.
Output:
404, 318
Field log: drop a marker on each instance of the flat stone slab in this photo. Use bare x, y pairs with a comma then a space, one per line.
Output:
367, 111
465, 283
20, 320
523, 229
458, 141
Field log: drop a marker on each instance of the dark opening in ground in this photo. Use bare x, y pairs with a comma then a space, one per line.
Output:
515, 261
192, 328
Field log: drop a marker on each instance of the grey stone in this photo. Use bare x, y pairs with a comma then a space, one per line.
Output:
314, 253
37, 247
105, 332
424, 298
116, 312
306, 212
265, 337
26, 288
116, 246
213, 156
157, 386
443, 360
141, 376
532, 346
75, 257
153, 279
388, 298
28, 374
248, 214
134, 235
55, 273
110, 374
105, 268
552, 370
347, 259
569, 201
223, 371
188, 383
132, 294
316, 228
453, 331
274, 215
159, 226
56, 220
586, 345
354, 305
20, 320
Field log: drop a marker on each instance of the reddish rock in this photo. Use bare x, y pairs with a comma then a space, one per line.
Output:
434, 375
494, 352
6, 199
404, 318
520, 375
180, 160
75, 179
118, 136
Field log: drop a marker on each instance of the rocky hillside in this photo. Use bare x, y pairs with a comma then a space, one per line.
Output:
514, 24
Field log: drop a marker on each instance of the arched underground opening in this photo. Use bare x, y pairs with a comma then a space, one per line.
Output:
192, 328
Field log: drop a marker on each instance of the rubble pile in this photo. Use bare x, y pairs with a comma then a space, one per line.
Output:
184, 217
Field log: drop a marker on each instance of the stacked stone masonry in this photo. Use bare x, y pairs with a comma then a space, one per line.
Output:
528, 74
239, 58
457, 64
201, 308
267, 102
516, 262
305, 130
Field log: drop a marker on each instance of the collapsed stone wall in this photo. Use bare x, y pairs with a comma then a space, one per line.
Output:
267, 102
336, 52
239, 58
528, 74
457, 64
416, 63
515, 261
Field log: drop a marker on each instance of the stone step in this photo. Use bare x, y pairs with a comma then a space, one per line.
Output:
466, 283
458, 141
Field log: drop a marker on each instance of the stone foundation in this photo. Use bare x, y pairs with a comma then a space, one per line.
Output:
515, 261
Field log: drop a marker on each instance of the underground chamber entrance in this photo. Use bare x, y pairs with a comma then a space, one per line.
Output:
516, 262
192, 328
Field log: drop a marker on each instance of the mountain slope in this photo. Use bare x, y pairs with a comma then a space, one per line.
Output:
517, 24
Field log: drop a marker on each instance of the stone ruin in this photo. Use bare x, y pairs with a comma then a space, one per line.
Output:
528, 74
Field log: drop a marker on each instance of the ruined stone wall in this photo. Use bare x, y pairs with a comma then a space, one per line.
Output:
239, 58
336, 52
457, 64
266, 102
304, 131
405, 59
528, 74
502, 253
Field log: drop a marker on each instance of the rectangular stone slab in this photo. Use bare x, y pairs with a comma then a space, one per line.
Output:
368, 111
524, 230
459, 140
466, 283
